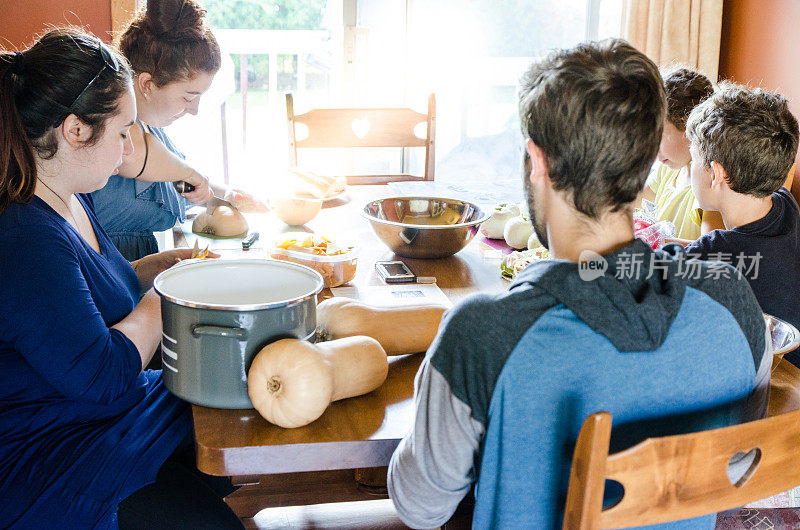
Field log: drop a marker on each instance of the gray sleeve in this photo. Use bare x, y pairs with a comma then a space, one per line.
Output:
433, 467
757, 403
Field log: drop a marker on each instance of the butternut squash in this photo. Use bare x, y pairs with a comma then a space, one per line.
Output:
291, 382
400, 330
222, 222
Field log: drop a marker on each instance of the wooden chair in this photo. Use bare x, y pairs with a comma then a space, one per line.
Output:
678, 477
372, 127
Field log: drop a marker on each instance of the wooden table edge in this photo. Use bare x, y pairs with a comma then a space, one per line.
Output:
294, 458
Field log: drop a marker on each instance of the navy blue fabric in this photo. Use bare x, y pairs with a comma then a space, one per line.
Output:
776, 239
81, 427
131, 210
181, 497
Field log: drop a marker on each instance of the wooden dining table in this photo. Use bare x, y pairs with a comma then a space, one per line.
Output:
342, 456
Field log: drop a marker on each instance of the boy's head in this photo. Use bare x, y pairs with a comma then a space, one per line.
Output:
743, 141
593, 115
685, 89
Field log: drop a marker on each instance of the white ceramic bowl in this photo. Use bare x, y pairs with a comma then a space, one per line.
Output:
295, 211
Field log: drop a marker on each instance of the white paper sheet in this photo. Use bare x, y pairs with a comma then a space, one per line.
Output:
394, 295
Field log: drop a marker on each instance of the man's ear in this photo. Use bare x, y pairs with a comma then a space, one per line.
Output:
719, 176
144, 82
75, 132
538, 162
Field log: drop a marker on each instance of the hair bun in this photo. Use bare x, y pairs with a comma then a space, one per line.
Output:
174, 20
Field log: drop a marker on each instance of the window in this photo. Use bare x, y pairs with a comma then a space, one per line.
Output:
470, 53
269, 48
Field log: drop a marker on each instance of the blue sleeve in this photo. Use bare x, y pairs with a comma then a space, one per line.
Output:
50, 318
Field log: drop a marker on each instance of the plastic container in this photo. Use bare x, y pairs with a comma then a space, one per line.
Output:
650, 230
335, 270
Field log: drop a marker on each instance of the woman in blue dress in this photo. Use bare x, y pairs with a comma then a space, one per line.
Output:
174, 57
87, 438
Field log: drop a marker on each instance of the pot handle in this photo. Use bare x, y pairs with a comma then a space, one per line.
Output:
219, 331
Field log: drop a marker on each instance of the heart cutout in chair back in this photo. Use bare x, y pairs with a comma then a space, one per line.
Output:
741, 466
360, 127
300, 131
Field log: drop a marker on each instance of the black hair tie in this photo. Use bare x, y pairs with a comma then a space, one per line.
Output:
18, 66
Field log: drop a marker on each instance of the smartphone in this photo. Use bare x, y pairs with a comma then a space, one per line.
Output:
395, 272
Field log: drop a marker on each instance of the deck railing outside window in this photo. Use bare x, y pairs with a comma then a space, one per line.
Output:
393, 52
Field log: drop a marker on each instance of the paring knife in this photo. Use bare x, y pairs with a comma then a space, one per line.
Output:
213, 203
249, 240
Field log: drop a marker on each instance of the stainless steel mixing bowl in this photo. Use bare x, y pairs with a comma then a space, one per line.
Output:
784, 336
424, 227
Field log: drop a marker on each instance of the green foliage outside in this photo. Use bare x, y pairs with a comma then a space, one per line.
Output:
271, 15
265, 14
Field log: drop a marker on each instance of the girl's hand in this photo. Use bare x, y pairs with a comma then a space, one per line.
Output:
245, 202
202, 189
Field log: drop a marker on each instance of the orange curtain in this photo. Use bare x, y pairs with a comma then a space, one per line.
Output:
684, 31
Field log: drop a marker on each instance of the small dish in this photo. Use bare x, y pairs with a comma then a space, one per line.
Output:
295, 211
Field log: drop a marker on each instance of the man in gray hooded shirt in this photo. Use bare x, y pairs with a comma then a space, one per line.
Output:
608, 324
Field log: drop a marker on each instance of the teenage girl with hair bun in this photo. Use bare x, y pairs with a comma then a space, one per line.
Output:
174, 57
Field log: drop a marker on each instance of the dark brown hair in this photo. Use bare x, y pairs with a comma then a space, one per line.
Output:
38, 89
686, 88
170, 41
749, 132
597, 113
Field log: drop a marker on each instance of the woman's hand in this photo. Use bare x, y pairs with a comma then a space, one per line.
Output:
151, 266
202, 189
245, 202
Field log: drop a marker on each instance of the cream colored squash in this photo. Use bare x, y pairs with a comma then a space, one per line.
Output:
400, 330
222, 222
291, 382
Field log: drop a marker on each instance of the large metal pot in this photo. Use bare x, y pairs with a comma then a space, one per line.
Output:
218, 314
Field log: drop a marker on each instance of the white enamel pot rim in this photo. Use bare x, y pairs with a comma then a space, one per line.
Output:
243, 284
